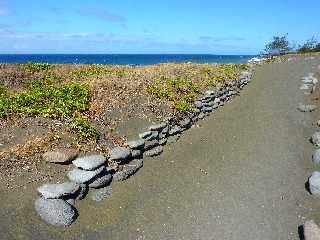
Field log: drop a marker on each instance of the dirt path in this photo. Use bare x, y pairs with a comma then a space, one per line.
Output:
239, 175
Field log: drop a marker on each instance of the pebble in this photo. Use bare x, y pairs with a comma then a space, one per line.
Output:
163, 141
101, 194
306, 108
314, 183
185, 123
151, 144
311, 230
136, 144
173, 139
316, 156
89, 162
58, 190
136, 153
128, 170
157, 127
145, 135
83, 191
56, 212
198, 104
175, 130
119, 154
82, 176
60, 156
315, 138
154, 152
100, 181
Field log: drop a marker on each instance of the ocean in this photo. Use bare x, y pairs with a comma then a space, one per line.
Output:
122, 59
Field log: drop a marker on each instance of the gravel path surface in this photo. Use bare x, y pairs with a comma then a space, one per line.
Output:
239, 175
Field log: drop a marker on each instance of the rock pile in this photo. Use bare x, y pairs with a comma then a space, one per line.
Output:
56, 205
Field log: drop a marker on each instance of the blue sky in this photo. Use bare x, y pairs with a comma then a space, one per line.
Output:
144, 26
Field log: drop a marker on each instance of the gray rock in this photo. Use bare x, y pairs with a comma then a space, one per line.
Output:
207, 109
128, 170
162, 135
306, 108
209, 104
83, 190
153, 136
82, 176
100, 181
209, 93
60, 156
56, 212
315, 138
158, 127
136, 144
136, 153
314, 183
311, 231
145, 135
154, 151
165, 130
151, 144
173, 139
217, 100
198, 104
201, 116
89, 162
316, 156
185, 123
71, 201
175, 130
58, 190
306, 87
163, 141
119, 154
101, 194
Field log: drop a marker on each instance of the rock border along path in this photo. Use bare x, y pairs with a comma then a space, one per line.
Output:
56, 205
311, 230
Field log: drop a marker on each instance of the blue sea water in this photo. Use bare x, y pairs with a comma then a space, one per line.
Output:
122, 59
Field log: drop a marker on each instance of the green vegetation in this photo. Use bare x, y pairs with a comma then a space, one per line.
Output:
31, 67
86, 131
181, 92
45, 99
311, 45
91, 70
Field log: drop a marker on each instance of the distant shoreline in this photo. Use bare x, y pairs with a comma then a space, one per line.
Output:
123, 59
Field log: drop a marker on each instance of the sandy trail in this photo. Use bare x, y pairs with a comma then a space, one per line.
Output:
239, 175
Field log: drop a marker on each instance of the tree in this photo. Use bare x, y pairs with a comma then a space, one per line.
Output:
278, 46
311, 45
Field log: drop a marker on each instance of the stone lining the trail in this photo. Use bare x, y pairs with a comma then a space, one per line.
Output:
60, 156
58, 190
56, 212
89, 162
306, 107
311, 230
91, 174
314, 183
316, 156
315, 138
83, 176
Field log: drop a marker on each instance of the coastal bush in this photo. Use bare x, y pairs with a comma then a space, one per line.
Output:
47, 100
91, 70
180, 92
31, 67
84, 128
